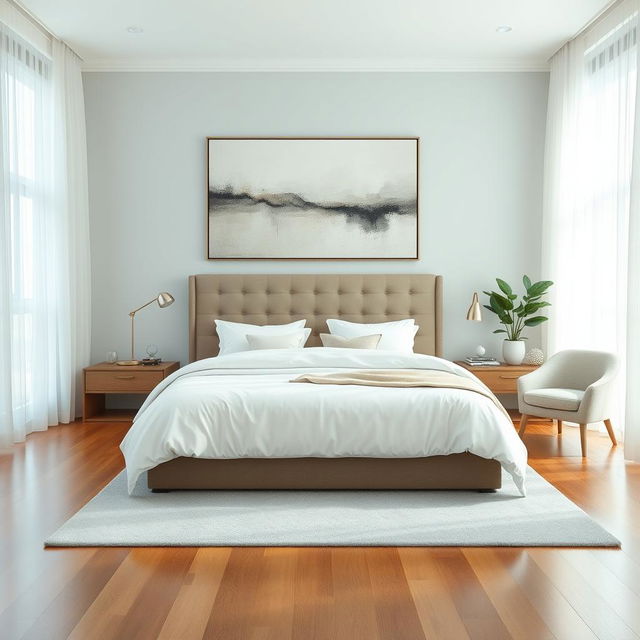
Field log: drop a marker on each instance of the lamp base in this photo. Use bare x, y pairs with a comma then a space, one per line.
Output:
127, 363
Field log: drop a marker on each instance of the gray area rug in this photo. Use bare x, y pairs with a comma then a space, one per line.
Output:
332, 518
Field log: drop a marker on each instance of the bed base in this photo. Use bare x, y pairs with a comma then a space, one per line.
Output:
461, 471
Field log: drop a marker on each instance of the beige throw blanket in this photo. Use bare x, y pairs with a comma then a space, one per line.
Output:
403, 378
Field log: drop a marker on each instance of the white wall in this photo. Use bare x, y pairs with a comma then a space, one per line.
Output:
482, 138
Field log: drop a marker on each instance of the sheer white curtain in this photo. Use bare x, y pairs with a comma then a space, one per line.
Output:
587, 201
72, 213
44, 290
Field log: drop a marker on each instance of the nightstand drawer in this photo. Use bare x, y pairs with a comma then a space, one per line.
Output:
502, 378
500, 381
124, 381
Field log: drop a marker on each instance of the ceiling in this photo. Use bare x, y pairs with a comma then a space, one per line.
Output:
315, 34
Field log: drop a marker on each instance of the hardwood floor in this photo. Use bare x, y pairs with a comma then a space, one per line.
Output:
310, 593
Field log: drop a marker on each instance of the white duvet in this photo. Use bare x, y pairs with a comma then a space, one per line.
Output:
242, 405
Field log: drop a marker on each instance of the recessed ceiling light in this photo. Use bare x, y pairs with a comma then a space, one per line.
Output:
503, 28
134, 29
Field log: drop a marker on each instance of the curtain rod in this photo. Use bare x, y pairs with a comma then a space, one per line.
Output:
32, 18
601, 14
38, 23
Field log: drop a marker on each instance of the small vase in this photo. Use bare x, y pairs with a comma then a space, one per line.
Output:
513, 351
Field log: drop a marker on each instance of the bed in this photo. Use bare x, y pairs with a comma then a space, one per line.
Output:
283, 455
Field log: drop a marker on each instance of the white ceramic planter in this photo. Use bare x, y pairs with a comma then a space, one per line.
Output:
513, 351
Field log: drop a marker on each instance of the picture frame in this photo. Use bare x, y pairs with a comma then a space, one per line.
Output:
312, 198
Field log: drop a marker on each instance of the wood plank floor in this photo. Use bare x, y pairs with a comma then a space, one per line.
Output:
309, 593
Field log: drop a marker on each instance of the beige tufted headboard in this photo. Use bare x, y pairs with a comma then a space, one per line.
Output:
278, 299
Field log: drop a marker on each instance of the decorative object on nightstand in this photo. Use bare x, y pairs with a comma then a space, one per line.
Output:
152, 353
103, 379
163, 299
515, 315
481, 361
534, 356
573, 385
500, 378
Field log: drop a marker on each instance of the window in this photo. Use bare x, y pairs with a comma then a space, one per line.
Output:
588, 184
44, 236
27, 115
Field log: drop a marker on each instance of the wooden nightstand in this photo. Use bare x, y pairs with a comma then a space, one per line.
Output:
104, 378
502, 378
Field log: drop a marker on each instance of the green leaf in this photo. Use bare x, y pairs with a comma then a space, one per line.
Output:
495, 305
486, 306
504, 287
532, 307
505, 303
512, 296
539, 288
534, 322
499, 331
526, 282
506, 319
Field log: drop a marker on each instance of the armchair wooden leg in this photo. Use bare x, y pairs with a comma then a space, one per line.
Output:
612, 435
523, 424
559, 427
583, 439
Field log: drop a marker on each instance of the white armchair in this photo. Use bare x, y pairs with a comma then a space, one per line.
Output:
572, 385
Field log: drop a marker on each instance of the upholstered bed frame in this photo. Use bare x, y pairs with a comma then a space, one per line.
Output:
278, 299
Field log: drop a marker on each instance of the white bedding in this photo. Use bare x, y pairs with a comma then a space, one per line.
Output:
243, 405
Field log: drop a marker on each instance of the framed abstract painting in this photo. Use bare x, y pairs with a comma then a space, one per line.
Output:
312, 198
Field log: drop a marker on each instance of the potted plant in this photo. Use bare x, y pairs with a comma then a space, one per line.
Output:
515, 314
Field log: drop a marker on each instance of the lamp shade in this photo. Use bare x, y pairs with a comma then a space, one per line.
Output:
164, 299
475, 312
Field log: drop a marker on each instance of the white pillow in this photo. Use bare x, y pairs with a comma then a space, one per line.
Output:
396, 336
362, 342
407, 322
289, 341
233, 335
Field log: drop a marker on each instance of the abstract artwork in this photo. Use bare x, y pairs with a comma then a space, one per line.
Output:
312, 198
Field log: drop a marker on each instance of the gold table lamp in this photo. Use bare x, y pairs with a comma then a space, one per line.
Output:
475, 312
163, 299
475, 315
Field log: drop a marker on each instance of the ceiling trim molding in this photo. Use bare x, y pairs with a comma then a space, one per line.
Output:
314, 65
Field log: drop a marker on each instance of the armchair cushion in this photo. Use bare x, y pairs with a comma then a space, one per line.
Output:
562, 399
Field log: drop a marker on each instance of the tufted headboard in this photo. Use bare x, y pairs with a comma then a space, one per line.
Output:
278, 299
